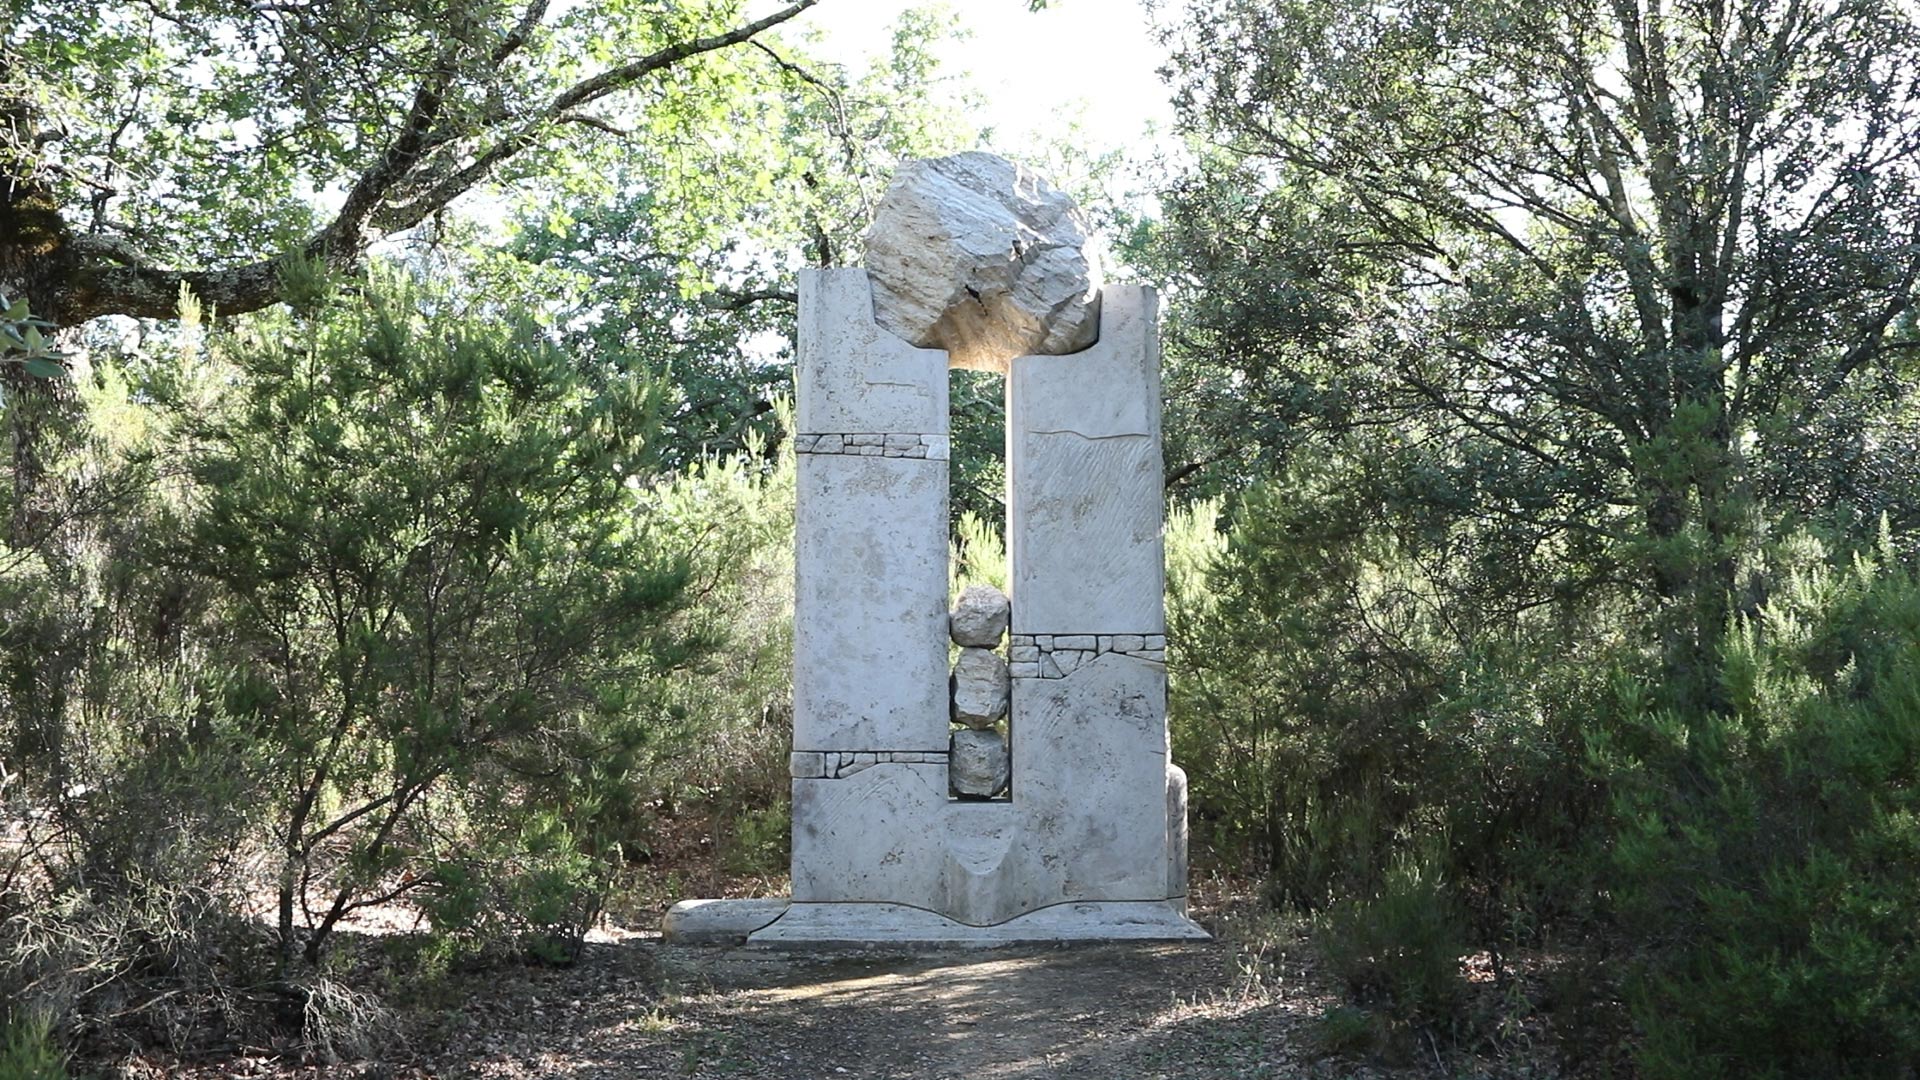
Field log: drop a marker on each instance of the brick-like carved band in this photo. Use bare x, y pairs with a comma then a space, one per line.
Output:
874, 444
1056, 656
834, 764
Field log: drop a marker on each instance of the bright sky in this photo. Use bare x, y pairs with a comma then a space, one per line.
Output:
1093, 58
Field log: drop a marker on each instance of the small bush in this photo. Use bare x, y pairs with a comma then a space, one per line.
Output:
1402, 946
28, 1051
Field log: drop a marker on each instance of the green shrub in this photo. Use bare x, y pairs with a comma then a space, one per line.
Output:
28, 1051
1768, 857
443, 611
1401, 946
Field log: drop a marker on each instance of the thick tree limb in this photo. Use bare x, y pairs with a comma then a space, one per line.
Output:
99, 278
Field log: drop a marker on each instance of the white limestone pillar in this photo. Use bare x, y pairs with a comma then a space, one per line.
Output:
870, 601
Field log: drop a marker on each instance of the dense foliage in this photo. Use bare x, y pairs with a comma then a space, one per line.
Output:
1543, 547
1556, 367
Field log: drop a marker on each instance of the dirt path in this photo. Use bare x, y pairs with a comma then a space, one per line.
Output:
1090, 1012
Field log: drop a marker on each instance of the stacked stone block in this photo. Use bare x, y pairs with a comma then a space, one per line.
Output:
979, 765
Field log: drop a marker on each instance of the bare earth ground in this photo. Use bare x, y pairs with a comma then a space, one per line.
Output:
1247, 1006
634, 1007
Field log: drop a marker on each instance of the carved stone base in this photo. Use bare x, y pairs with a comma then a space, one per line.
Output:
870, 925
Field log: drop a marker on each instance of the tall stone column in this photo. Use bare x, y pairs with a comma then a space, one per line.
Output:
870, 600
1084, 536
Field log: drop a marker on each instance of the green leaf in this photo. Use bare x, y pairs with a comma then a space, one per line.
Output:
46, 369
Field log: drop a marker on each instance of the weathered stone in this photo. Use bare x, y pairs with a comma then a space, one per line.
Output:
1091, 754
1093, 844
867, 837
1176, 832
841, 925
981, 689
977, 765
718, 922
870, 640
979, 619
981, 257
1085, 481
853, 376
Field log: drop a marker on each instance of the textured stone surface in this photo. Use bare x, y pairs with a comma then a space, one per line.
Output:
1090, 754
819, 926
873, 836
718, 922
979, 618
1085, 482
979, 256
870, 618
981, 688
978, 763
854, 378
1177, 833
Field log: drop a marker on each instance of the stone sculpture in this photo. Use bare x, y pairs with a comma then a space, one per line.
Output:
1053, 811
978, 256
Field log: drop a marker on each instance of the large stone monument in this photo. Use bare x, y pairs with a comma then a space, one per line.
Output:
1025, 797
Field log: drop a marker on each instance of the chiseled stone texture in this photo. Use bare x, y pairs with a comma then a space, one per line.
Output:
851, 376
981, 257
979, 618
869, 444
977, 765
1091, 756
822, 926
872, 836
870, 615
1085, 499
981, 688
